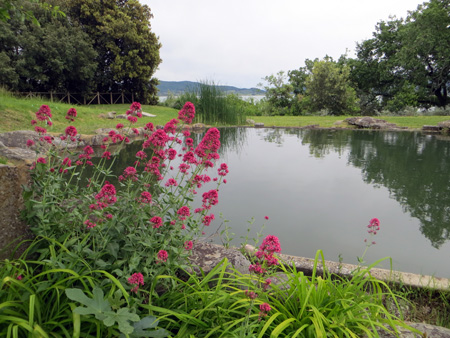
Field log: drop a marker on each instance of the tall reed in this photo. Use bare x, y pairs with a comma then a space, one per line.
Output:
214, 106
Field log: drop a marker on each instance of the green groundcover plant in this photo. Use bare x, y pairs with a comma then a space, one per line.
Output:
110, 254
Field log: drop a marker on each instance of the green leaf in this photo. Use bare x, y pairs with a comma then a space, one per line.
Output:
123, 316
112, 249
116, 301
141, 329
96, 305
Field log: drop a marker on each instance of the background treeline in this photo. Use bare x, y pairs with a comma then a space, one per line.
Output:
405, 64
91, 46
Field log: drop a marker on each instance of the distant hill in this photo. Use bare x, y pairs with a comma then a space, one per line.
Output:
179, 87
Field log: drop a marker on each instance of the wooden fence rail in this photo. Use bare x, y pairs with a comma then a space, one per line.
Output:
82, 98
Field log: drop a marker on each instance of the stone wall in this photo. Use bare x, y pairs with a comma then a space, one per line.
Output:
12, 228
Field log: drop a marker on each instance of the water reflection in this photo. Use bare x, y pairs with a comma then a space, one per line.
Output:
413, 167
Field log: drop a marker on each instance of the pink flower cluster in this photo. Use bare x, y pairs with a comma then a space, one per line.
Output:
162, 256
209, 145
157, 222
71, 114
136, 279
264, 309
146, 197
187, 113
44, 114
374, 227
188, 245
86, 154
268, 247
223, 170
129, 173
105, 197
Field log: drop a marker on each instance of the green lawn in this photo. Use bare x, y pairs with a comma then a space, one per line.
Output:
412, 122
16, 114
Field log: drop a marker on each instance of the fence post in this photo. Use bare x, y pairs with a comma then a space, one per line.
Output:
51, 96
122, 99
98, 97
68, 97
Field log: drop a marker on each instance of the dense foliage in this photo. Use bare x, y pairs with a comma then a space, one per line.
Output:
405, 64
87, 50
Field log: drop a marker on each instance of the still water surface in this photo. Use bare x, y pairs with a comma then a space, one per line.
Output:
320, 188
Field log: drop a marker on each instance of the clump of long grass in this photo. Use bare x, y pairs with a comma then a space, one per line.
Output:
219, 304
213, 106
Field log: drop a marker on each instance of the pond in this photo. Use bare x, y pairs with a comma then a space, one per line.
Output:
320, 188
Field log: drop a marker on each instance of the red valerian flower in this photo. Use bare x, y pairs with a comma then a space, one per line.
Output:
41, 160
210, 198
271, 244
71, 131
40, 130
71, 114
264, 309
184, 212
207, 219
188, 245
119, 126
146, 197
141, 154
209, 145
149, 126
30, 143
162, 256
157, 222
250, 294
136, 279
132, 119
223, 170
171, 126
171, 182
187, 113
135, 107
106, 196
44, 114
89, 224
172, 153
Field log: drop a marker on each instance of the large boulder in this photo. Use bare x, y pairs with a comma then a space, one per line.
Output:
206, 256
368, 122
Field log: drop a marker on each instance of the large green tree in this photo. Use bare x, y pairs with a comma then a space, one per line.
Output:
52, 56
328, 88
407, 62
104, 46
128, 51
278, 93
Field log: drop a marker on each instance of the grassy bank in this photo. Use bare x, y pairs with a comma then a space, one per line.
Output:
16, 113
411, 122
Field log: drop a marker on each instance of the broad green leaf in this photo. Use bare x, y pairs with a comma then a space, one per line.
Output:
96, 305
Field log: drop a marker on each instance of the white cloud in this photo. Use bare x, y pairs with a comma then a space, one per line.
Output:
238, 42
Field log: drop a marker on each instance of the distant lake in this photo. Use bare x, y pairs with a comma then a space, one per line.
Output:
256, 98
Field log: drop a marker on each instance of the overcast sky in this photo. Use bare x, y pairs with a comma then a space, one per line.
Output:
238, 42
